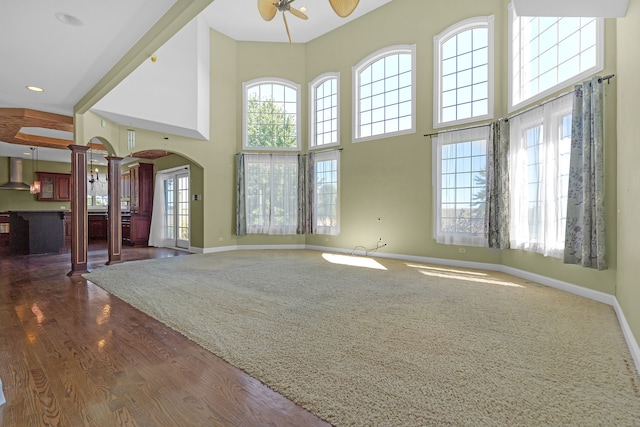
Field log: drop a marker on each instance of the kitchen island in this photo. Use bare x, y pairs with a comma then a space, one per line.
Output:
36, 232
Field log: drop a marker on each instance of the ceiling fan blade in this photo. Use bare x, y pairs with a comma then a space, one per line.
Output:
343, 8
297, 13
267, 9
286, 26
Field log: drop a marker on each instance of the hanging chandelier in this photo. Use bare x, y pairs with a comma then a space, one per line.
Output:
35, 187
92, 180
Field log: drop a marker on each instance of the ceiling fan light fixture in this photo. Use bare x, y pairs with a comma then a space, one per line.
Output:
268, 10
303, 9
343, 8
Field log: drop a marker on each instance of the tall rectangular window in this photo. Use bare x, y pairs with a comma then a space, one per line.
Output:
271, 193
540, 144
326, 195
460, 186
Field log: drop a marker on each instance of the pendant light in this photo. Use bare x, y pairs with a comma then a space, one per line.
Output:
92, 180
35, 187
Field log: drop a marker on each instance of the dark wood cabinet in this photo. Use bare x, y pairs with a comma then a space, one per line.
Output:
97, 226
67, 227
135, 227
126, 228
55, 187
125, 190
36, 232
4, 233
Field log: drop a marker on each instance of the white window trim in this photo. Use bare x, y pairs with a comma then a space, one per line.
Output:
438, 41
312, 109
562, 85
355, 71
328, 231
277, 80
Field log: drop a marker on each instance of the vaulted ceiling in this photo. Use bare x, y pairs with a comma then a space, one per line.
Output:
67, 47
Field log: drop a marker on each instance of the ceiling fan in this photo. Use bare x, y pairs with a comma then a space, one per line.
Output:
269, 8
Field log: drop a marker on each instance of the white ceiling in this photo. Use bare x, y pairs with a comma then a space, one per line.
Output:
65, 60
37, 49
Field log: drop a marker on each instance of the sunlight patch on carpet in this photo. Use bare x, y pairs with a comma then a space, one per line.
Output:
354, 261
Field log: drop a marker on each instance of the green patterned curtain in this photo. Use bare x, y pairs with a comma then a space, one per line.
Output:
497, 218
241, 215
585, 232
303, 196
310, 188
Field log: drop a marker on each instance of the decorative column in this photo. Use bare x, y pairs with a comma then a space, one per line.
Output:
78, 209
114, 220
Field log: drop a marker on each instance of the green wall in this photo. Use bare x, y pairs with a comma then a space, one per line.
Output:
391, 178
628, 57
23, 200
388, 178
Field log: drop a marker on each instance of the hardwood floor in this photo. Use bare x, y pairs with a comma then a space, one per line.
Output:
73, 355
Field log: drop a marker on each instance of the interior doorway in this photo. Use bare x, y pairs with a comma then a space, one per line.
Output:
170, 222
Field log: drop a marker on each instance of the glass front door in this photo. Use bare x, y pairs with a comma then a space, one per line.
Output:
176, 195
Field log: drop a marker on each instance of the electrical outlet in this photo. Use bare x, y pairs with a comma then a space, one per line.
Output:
462, 250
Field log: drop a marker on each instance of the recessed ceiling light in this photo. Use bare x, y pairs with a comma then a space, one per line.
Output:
303, 9
35, 88
65, 18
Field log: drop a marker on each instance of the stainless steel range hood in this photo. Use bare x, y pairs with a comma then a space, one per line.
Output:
15, 176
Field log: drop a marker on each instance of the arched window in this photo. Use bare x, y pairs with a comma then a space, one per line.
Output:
463, 74
271, 108
548, 54
384, 94
324, 111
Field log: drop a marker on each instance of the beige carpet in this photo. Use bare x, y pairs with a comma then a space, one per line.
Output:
403, 344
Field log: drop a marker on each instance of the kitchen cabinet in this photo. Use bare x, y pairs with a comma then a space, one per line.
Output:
97, 226
36, 232
4, 232
136, 225
125, 190
55, 187
67, 227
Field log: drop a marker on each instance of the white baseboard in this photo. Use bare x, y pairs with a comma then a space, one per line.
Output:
250, 248
219, 249
543, 280
628, 336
